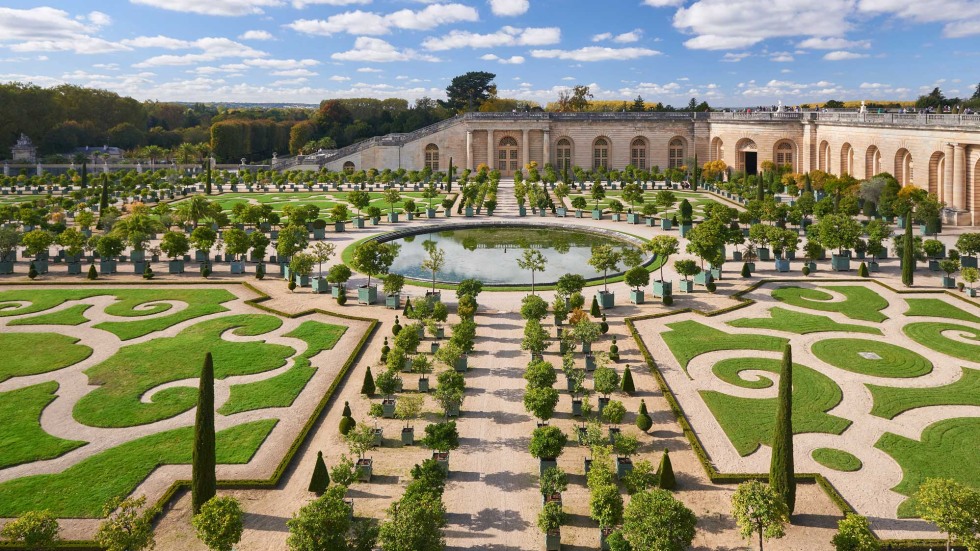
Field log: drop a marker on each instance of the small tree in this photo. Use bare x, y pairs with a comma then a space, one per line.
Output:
605, 380
409, 407
434, 262
854, 534
372, 258
687, 268
344, 473
758, 509
128, 525
535, 337
367, 387
663, 246
547, 442
541, 402
320, 478
441, 437
655, 519
392, 196
321, 524
551, 517
532, 260
637, 277
36, 530
553, 481
951, 506
414, 525
971, 275
220, 523
174, 244
534, 307
360, 440
949, 266
643, 477
604, 259
606, 505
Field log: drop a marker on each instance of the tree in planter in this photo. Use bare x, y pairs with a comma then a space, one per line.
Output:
586, 331
292, 239
553, 481
854, 534
758, 509
605, 380
128, 525
450, 354
449, 392
408, 339
259, 243
338, 274
372, 258
466, 307
641, 478
971, 275
321, 524
540, 374
441, 437
434, 262
237, 242
665, 199
323, 252
579, 203
393, 284
633, 194
598, 193
409, 407
344, 473
387, 383
687, 268
952, 507
360, 440
604, 259
949, 266
637, 277
614, 412
605, 504
203, 238
782, 475
359, 200
541, 402
471, 287
536, 339
301, 264
220, 523
414, 524
707, 242
838, 231
547, 443
551, 518
37, 530
663, 247
533, 307
532, 260
391, 196
655, 519
968, 244
320, 478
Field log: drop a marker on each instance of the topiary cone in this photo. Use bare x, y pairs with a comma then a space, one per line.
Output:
321, 478
594, 309
863, 270
628, 387
407, 308
666, 473
346, 409
368, 387
92, 274
745, 270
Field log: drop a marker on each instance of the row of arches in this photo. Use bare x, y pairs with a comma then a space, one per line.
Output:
602, 152
783, 154
902, 168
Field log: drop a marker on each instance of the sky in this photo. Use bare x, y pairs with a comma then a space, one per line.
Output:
728, 52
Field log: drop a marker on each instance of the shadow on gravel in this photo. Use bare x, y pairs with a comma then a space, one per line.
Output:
510, 481
495, 519
265, 523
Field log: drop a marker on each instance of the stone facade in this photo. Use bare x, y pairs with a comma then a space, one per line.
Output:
23, 151
940, 153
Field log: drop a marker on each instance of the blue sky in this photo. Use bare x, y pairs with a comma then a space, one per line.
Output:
728, 52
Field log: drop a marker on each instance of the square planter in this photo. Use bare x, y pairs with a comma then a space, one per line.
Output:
687, 285
579, 213
452, 410
840, 263
949, 282
393, 217
542, 212
546, 463
684, 229
665, 223
442, 459
302, 281
972, 293
968, 261
200, 256
339, 226
576, 408
461, 364
597, 214
363, 469
175, 267
615, 217
320, 286
138, 268
552, 540
388, 408
602, 403
874, 267
703, 278
433, 297
237, 267
522, 210
423, 384
410, 216
560, 212
358, 223
632, 218
737, 256
468, 212
337, 290
379, 437
624, 466
74, 268
375, 220
650, 222
933, 265
586, 347
430, 213
393, 302
589, 362
106, 267
319, 233
636, 297
367, 295
662, 289
408, 436
607, 299
764, 254
407, 365
782, 265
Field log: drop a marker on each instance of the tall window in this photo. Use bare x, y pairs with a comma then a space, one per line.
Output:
675, 153
564, 148
600, 154
784, 155
638, 153
432, 157
507, 155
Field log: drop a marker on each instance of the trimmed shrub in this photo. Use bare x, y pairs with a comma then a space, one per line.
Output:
594, 309
321, 478
367, 387
628, 387
745, 270
806, 270
92, 273
32, 271
863, 270
347, 424
346, 409
260, 271
666, 473
614, 351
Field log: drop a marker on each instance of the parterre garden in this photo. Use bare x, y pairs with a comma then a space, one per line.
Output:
141, 350
885, 386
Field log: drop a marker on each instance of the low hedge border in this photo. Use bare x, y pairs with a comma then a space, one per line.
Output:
272, 481
717, 477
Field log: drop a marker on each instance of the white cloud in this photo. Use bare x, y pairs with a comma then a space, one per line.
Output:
872, 85
47, 29
663, 3
281, 64
289, 82
212, 48
961, 17
833, 43
362, 23
601, 36
781, 57
568, 78
627, 38
841, 55
506, 36
99, 19
255, 35
159, 41
507, 8
375, 50
512, 60
734, 24
734, 58
595, 53
338, 78
300, 4
369, 70
294, 73
212, 7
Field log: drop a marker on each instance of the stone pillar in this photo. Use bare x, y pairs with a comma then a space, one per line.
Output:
547, 147
469, 149
491, 162
947, 192
805, 153
959, 177
525, 147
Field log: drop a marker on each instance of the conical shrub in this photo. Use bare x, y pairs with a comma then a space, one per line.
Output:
321, 478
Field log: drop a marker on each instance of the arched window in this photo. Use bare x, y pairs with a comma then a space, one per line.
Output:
638, 153
349, 167
600, 153
675, 153
872, 162
507, 158
846, 159
432, 157
823, 160
564, 150
784, 154
903, 166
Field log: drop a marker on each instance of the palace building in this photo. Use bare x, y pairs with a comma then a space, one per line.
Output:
940, 153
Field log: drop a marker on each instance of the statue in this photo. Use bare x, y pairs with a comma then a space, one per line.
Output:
864, 108
779, 108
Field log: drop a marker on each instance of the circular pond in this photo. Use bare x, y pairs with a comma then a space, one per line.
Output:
490, 252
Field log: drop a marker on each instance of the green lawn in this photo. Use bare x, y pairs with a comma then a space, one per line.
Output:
73, 315
895, 362
688, 339
282, 390
136, 369
948, 449
21, 437
34, 353
81, 491
930, 334
801, 323
748, 422
200, 302
838, 460
933, 307
861, 303
890, 402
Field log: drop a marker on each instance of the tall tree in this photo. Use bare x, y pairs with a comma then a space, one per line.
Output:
908, 253
467, 92
203, 478
781, 469
104, 197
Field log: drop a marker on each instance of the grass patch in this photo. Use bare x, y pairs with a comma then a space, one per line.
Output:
688, 339
73, 315
282, 390
21, 437
935, 308
860, 303
930, 334
948, 449
801, 323
136, 369
82, 490
34, 353
889, 402
748, 422
838, 460
896, 362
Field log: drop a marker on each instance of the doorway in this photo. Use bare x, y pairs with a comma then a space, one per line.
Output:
751, 163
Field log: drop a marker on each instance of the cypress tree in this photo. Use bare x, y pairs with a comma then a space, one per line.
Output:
628, 387
320, 479
760, 193
666, 473
207, 181
908, 253
367, 388
594, 309
807, 184
104, 198
746, 272
84, 174
203, 478
781, 471
92, 274
408, 307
